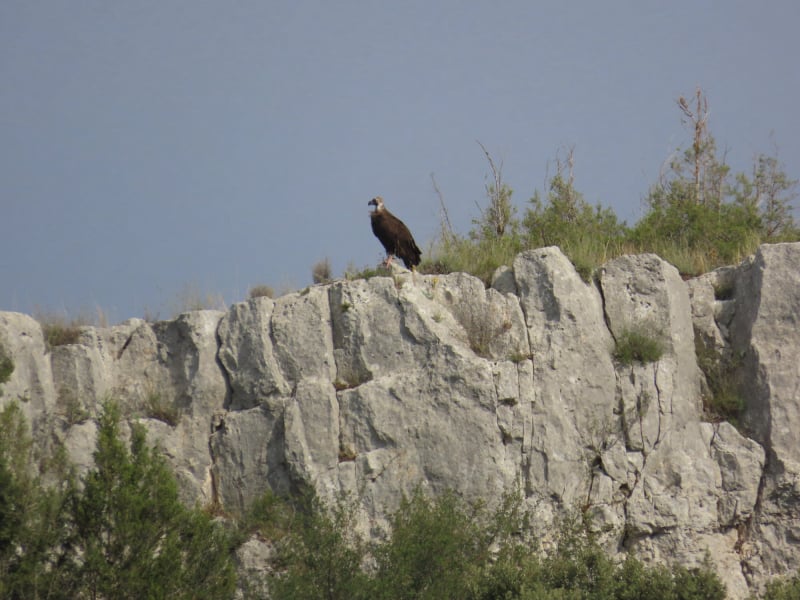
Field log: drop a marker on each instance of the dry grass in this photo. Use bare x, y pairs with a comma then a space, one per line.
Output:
261, 291
321, 272
60, 330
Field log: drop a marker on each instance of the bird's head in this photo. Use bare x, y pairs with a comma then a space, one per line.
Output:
377, 202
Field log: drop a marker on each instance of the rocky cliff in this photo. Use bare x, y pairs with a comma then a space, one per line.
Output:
374, 387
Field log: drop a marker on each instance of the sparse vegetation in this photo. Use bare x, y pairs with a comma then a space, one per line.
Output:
72, 408
191, 298
482, 323
58, 330
321, 272
446, 548
121, 533
638, 345
346, 453
156, 406
724, 290
348, 381
699, 216
518, 357
6, 367
352, 272
723, 401
261, 291
786, 588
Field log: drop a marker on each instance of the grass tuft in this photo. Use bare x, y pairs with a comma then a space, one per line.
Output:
638, 345
157, 407
261, 291
723, 401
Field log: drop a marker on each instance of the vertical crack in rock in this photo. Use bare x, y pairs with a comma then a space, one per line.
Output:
527, 433
657, 441
226, 376
217, 425
606, 318
124, 346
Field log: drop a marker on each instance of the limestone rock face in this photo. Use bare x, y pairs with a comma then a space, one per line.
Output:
375, 387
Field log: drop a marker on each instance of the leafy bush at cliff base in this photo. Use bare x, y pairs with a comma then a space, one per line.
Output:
784, 589
444, 548
32, 518
123, 533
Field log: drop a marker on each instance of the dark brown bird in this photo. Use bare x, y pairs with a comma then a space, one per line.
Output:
394, 235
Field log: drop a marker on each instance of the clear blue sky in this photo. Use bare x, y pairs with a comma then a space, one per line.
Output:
154, 149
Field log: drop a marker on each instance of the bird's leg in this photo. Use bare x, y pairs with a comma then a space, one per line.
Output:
388, 260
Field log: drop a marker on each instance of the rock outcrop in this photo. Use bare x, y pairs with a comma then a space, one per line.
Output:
374, 387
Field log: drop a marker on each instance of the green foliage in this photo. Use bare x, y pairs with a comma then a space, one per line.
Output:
479, 256
6, 366
724, 401
32, 517
699, 215
712, 235
784, 589
323, 558
122, 534
769, 194
352, 272
446, 548
434, 547
270, 516
136, 539
71, 407
587, 235
638, 345
158, 407
498, 218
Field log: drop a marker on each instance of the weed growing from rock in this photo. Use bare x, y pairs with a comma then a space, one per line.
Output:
638, 345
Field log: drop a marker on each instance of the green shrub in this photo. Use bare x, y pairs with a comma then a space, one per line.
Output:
637, 345
447, 548
269, 515
724, 400
477, 256
158, 407
32, 518
352, 272
434, 547
6, 366
787, 588
122, 534
323, 556
131, 535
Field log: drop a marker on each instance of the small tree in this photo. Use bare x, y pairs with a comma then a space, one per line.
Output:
498, 218
768, 195
131, 536
323, 556
587, 234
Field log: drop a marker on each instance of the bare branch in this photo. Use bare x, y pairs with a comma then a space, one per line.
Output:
444, 217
